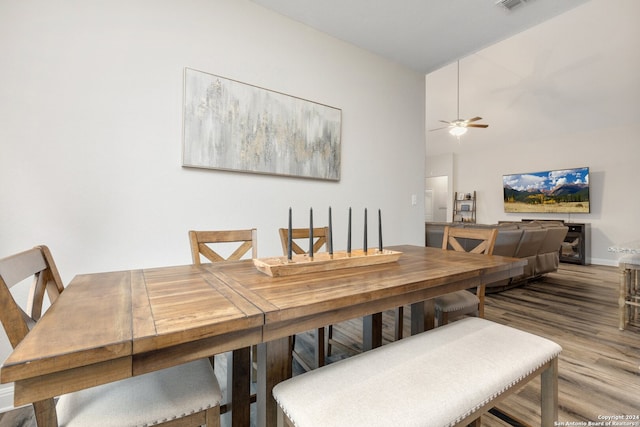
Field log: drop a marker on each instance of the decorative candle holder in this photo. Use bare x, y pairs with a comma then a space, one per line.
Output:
323, 261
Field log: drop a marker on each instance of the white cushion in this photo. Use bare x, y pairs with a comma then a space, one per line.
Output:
456, 301
436, 378
143, 400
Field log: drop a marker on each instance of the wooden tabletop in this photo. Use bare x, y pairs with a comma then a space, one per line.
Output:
332, 296
110, 326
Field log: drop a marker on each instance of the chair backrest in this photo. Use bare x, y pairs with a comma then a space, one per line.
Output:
201, 242
320, 235
484, 239
37, 263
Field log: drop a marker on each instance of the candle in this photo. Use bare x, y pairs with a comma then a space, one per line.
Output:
349, 234
365, 231
330, 242
379, 231
289, 238
310, 232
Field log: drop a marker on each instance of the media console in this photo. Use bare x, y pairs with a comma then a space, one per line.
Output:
574, 248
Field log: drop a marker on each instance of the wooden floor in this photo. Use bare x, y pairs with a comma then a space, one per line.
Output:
575, 307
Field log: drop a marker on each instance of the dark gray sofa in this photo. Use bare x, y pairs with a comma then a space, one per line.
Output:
538, 242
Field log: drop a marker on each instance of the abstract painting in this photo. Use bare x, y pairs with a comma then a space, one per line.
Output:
235, 126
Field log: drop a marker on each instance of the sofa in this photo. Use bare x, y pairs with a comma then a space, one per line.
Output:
538, 242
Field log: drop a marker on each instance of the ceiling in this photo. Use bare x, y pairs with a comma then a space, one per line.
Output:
546, 69
423, 35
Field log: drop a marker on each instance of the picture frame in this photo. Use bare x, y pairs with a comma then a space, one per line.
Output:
235, 126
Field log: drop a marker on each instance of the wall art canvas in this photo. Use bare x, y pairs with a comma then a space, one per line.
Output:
235, 126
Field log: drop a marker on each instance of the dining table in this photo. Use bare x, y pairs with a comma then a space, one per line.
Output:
114, 325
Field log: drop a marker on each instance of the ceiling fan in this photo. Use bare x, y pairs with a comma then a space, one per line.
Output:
459, 126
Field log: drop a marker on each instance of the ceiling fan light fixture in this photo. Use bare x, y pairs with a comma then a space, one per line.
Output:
458, 130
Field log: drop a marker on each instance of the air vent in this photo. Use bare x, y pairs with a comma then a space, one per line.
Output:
510, 4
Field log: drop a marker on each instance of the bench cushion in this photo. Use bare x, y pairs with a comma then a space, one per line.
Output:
437, 377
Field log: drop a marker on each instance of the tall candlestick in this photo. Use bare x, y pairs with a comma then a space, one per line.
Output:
330, 242
379, 231
349, 234
365, 231
310, 232
289, 238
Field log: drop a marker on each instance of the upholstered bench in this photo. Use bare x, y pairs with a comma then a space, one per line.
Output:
448, 376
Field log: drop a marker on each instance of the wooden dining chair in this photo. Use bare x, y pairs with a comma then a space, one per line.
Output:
185, 395
202, 242
230, 245
298, 235
474, 240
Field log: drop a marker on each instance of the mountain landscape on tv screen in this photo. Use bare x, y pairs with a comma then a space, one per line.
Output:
551, 191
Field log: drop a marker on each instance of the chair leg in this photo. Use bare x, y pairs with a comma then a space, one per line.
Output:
480, 290
399, 323
476, 423
329, 340
213, 417
442, 317
45, 413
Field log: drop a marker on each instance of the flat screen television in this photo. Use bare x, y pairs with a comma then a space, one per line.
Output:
556, 191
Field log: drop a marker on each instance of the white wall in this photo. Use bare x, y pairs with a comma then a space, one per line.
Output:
91, 108
562, 94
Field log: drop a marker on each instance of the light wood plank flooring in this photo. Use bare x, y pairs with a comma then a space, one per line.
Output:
576, 307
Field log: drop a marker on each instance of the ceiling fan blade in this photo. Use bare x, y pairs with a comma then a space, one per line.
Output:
444, 121
477, 126
475, 119
445, 127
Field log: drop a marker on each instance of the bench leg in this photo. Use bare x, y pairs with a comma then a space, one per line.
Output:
549, 394
282, 419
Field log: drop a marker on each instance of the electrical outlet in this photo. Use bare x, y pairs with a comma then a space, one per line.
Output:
414, 200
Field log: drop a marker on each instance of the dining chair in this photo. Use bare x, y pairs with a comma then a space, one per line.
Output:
320, 234
185, 395
202, 241
474, 240
230, 245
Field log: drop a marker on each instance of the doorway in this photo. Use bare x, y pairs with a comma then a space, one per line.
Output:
435, 199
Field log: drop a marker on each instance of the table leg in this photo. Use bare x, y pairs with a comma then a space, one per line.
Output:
274, 366
422, 316
239, 377
372, 331
319, 353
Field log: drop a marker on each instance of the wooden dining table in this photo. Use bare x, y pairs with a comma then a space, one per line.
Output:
109, 326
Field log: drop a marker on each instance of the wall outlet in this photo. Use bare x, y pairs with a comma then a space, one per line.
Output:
414, 200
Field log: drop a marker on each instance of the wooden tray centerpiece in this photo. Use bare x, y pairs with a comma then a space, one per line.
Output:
301, 263
323, 261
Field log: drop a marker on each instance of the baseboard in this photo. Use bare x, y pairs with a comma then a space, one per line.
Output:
6, 398
602, 261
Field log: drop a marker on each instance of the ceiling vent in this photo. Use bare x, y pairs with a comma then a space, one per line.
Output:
510, 4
